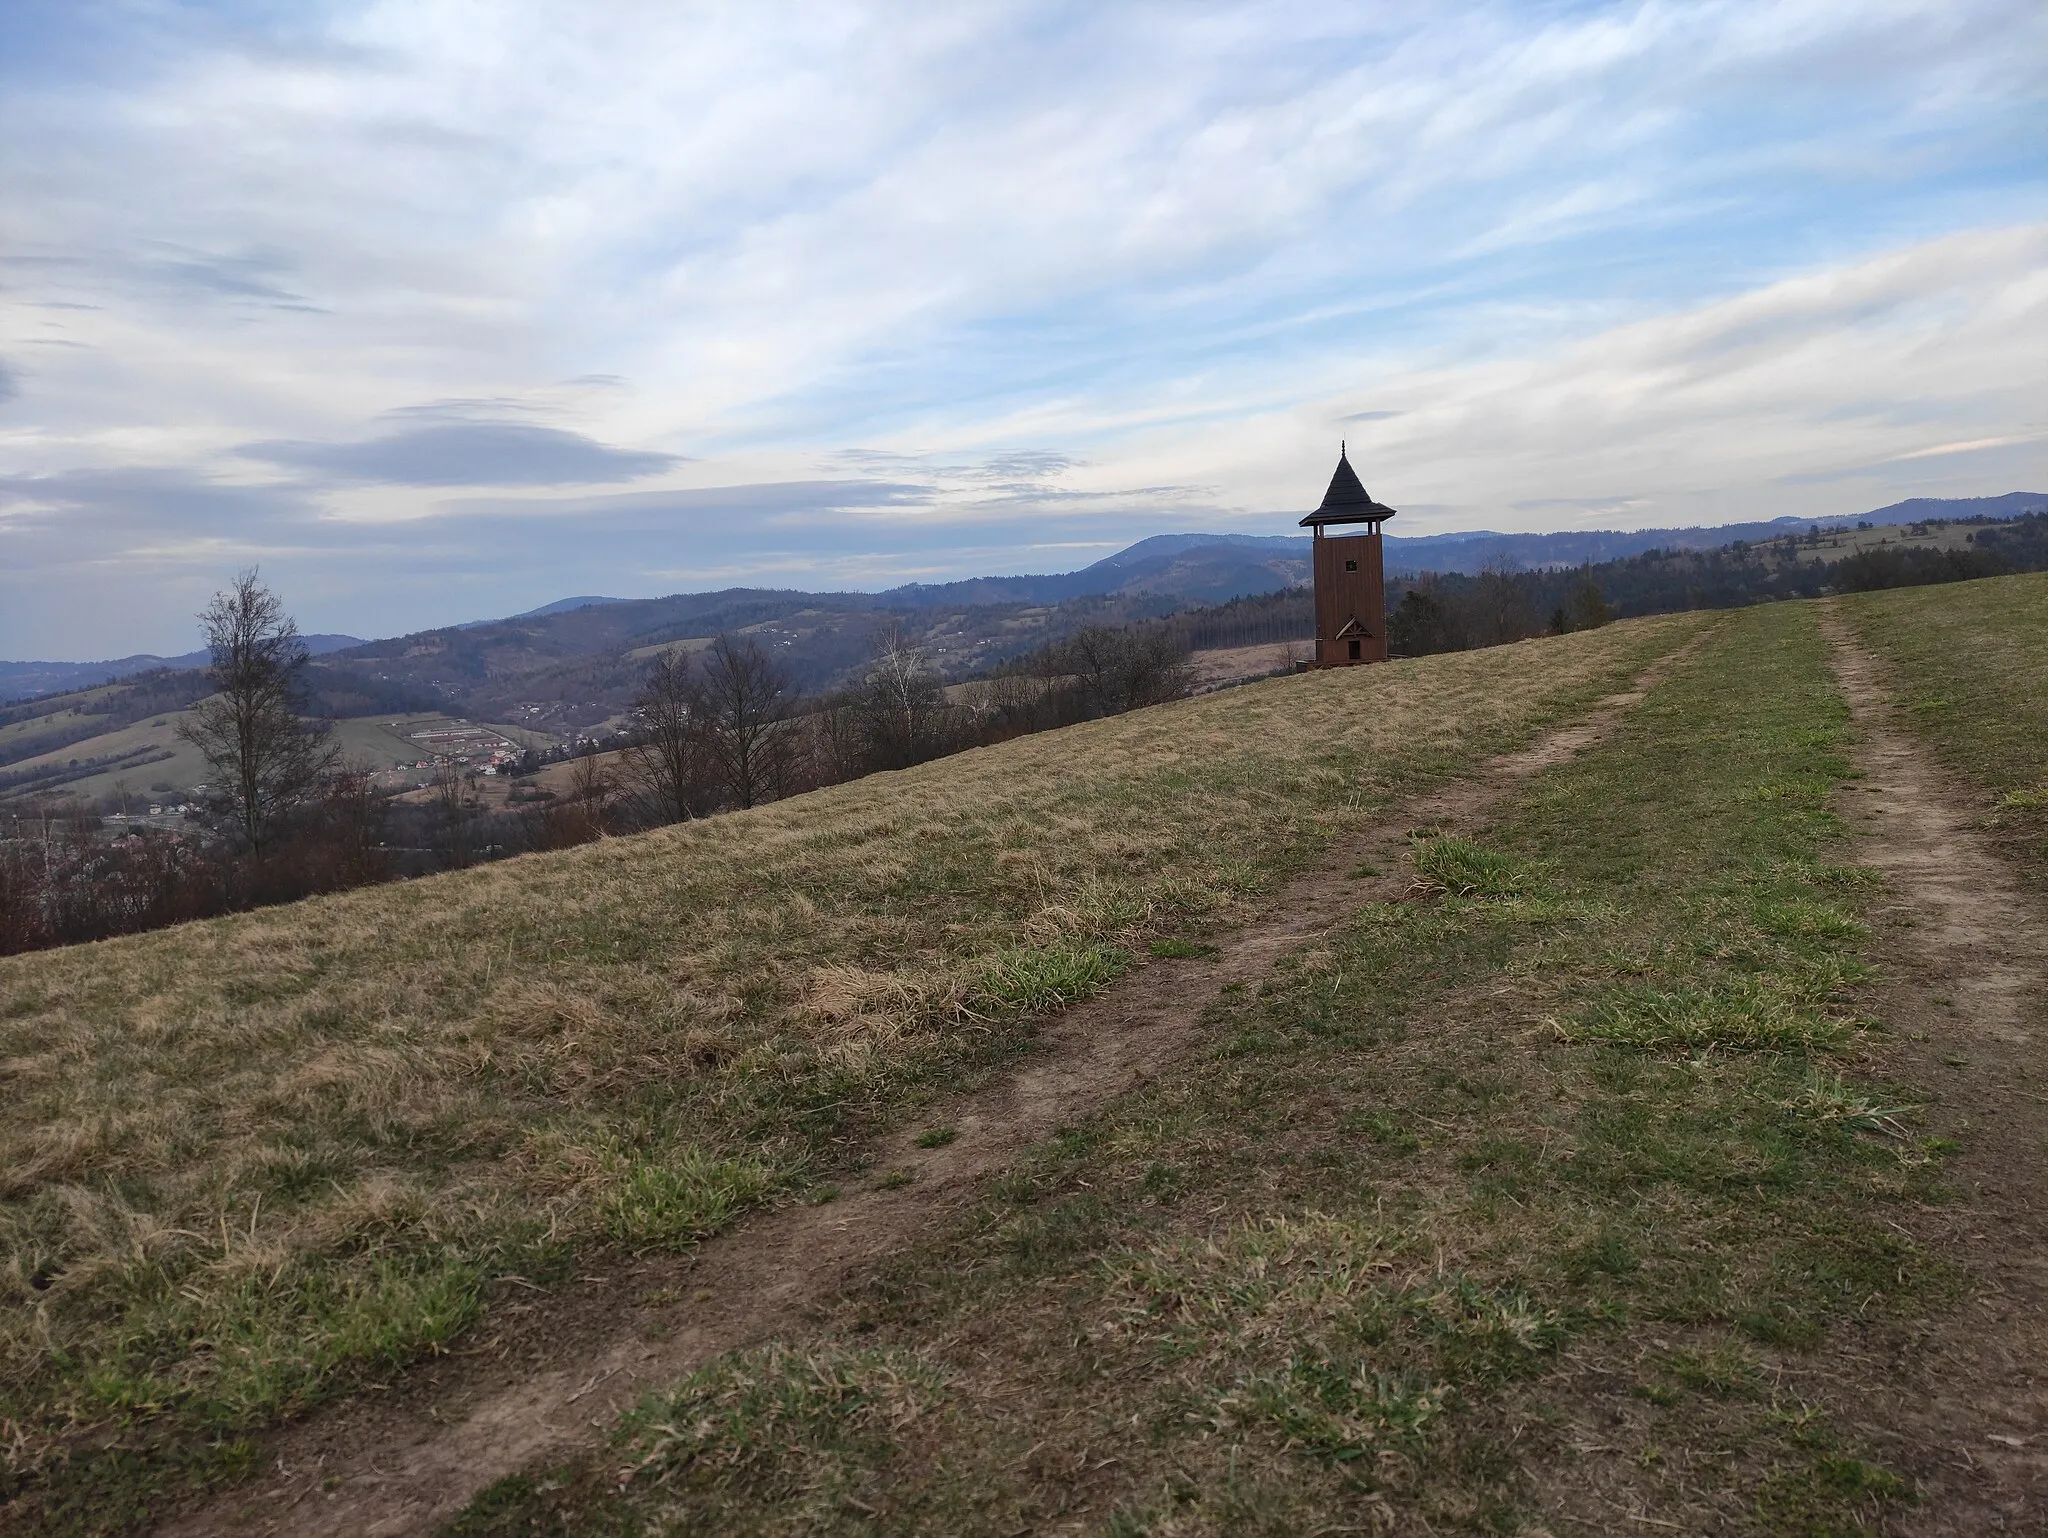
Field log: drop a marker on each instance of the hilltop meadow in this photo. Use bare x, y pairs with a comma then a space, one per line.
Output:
253, 1162
1563, 1177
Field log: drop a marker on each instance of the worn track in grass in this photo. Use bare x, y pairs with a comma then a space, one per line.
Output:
1963, 1404
406, 1462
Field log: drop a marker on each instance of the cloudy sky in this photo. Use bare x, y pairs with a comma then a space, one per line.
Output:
445, 308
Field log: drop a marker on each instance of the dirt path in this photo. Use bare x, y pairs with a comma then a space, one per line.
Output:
407, 1461
1963, 1403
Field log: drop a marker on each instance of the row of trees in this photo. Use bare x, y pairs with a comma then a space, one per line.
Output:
725, 728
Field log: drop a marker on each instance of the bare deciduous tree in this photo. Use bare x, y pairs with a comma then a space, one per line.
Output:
900, 704
743, 706
837, 740
456, 811
263, 755
1502, 606
1122, 669
669, 769
591, 787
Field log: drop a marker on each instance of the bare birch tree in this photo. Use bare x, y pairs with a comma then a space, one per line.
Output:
901, 705
263, 755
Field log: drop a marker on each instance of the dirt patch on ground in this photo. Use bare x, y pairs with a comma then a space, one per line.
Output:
1962, 1405
556, 1375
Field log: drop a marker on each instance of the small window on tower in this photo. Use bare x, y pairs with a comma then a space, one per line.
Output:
1354, 649
1351, 565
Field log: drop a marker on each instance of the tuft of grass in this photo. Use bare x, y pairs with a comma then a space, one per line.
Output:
1753, 1014
937, 1137
1032, 980
1828, 1100
1830, 1493
1460, 868
774, 1439
1340, 1409
744, 1412
1801, 918
673, 1201
1727, 1371
1180, 950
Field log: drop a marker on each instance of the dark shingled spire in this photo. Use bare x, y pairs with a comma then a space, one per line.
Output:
1347, 501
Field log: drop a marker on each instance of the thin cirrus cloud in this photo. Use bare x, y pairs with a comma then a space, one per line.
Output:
858, 292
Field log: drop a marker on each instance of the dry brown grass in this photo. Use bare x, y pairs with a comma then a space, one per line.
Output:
248, 1161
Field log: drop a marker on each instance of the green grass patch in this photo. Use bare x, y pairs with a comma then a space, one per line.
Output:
1032, 980
676, 1200
792, 1429
1768, 1014
1460, 868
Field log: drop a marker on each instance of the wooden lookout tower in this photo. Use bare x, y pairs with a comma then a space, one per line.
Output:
1350, 574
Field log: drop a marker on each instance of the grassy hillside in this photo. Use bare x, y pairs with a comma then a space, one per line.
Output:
138, 755
252, 1162
1972, 662
1569, 1189
151, 752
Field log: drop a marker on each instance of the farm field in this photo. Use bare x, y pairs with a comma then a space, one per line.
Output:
257, 1162
159, 755
1842, 540
1228, 665
149, 753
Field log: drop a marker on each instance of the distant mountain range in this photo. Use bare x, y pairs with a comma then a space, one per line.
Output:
1164, 571
1214, 568
23, 680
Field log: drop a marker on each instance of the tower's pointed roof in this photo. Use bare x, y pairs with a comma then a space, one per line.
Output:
1347, 501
